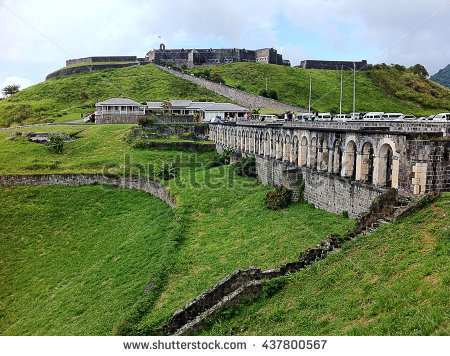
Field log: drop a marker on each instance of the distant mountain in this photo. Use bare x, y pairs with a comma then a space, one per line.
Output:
442, 77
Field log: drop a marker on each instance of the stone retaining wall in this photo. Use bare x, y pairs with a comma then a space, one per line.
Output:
246, 284
238, 96
86, 68
326, 191
154, 187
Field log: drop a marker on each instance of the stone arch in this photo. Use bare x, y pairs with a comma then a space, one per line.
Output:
273, 145
349, 160
324, 155
279, 147
366, 165
304, 152
267, 145
294, 156
385, 165
313, 153
162, 47
337, 157
287, 149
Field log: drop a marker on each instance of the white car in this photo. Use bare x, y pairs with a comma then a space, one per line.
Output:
442, 117
374, 116
342, 117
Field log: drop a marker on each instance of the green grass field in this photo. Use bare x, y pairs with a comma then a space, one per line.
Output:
54, 98
98, 148
74, 261
222, 221
394, 281
385, 90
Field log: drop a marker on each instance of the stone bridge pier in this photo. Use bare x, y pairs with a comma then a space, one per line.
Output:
344, 165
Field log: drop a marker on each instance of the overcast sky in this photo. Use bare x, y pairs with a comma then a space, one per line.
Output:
37, 36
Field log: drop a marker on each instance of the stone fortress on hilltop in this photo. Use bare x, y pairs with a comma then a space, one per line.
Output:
195, 57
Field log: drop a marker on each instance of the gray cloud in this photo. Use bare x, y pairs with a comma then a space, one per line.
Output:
38, 36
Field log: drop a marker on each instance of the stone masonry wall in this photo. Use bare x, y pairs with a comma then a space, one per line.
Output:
238, 96
154, 187
87, 68
101, 59
117, 119
326, 191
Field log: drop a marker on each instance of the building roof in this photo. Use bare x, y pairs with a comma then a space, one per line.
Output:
154, 104
180, 103
225, 107
119, 101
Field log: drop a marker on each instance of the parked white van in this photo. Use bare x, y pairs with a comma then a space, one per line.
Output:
342, 117
324, 116
374, 116
305, 116
393, 116
442, 117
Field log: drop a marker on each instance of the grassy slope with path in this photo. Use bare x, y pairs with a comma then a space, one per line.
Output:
394, 281
53, 98
387, 90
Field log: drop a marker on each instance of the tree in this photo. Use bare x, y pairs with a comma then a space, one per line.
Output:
10, 89
419, 69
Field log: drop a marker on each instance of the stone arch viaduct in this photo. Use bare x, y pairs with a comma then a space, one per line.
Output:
345, 165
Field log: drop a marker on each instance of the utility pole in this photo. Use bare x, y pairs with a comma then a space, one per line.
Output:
309, 102
340, 98
354, 87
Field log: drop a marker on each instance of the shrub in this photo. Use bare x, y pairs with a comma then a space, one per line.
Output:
56, 143
272, 94
246, 167
216, 77
221, 160
263, 93
167, 171
146, 120
419, 69
345, 214
279, 198
240, 87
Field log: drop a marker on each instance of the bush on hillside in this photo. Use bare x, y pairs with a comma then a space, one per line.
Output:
146, 120
246, 167
56, 143
419, 69
168, 170
221, 160
279, 198
217, 78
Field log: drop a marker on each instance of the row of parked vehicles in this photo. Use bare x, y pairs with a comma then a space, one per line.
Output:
369, 116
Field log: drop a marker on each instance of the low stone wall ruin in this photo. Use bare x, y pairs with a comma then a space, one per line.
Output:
151, 186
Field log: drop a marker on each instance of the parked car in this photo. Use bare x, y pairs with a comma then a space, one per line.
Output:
324, 116
374, 116
305, 116
393, 116
356, 116
342, 117
442, 117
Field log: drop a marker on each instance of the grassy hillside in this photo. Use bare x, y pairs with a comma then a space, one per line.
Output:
443, 76
387, 90
53, 98
224, 224
97, 148
394, 281
74, 261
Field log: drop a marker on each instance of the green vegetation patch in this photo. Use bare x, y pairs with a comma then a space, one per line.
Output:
388, 90
99, 148
394, 281
46, 101
228, 227
76, 261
